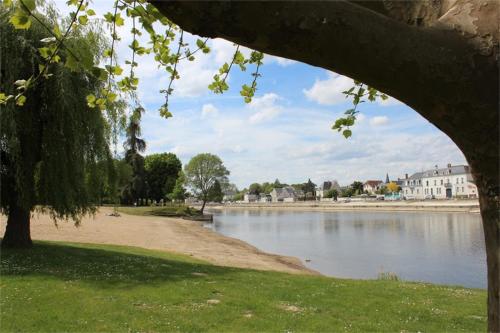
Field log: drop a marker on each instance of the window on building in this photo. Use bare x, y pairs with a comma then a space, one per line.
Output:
441, 182
434, 182
427, 182
457, 180
462, 180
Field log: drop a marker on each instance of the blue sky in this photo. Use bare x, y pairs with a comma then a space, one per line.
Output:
285, 132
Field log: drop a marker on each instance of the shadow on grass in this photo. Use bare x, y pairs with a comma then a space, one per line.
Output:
103, 266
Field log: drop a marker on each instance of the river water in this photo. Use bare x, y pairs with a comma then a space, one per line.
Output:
442, 248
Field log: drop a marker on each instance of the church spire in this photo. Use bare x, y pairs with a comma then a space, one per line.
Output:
387, 178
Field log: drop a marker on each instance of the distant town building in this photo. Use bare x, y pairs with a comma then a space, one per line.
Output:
250, 197
264, 197
285, 194
450, 182
228, 196
372, 186
328, 185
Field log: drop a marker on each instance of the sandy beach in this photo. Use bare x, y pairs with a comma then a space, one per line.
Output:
160, 233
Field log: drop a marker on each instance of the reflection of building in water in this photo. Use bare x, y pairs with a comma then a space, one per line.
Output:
450, 182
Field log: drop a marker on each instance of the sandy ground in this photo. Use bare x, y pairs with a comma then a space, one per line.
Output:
160, 233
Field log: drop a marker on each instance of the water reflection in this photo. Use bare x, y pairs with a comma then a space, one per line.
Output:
424, 246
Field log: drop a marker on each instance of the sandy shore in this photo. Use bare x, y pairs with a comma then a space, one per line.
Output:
467, 206
160, 233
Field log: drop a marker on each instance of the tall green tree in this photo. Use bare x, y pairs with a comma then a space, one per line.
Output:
215, 193
357, 187
161, 173
179, 192
255, 188
136, 190
52, 143
202, 172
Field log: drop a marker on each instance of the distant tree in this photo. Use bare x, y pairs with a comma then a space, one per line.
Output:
137, 187
267, 187
255, 188
309, 189
392, 187
382, 190
178, 192
161, 174
201, 173
333, 193
347, 192
277, 184
215, 194
239, 196
357, 187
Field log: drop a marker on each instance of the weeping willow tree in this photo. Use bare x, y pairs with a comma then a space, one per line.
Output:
53, 145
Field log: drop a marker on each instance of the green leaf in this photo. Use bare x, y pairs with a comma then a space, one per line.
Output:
20, 100
91, 100
83, 20
119, 20
164, 112
347, 133
30, 4
20, 20
90, 12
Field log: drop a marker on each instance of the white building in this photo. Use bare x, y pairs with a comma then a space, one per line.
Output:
450, 182
250, 197
372, 186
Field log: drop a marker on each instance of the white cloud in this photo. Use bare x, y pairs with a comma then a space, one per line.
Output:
266, 108
379, 121
209, 110
329, 91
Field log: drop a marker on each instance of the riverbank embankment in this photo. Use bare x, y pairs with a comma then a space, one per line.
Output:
466, 206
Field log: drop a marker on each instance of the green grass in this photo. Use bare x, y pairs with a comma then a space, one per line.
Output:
58, 287
172, 210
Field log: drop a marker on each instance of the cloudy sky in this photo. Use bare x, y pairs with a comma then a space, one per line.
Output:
285, 132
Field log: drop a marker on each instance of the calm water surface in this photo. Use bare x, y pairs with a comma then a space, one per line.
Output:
444, 248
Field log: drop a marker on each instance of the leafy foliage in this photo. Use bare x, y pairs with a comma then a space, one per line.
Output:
202, 172
161, 174
137, 187
54, 147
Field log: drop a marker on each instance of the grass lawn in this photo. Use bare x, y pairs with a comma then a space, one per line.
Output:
57, 287
172, 210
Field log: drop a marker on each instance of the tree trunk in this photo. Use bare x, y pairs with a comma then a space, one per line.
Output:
17, 233
489, 203
203, 206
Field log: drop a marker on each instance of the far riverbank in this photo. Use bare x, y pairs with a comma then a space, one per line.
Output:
467, 206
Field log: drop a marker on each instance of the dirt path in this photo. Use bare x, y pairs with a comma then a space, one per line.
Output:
160, 233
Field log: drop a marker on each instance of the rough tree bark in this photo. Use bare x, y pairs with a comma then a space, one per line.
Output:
17, 233
438, 57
